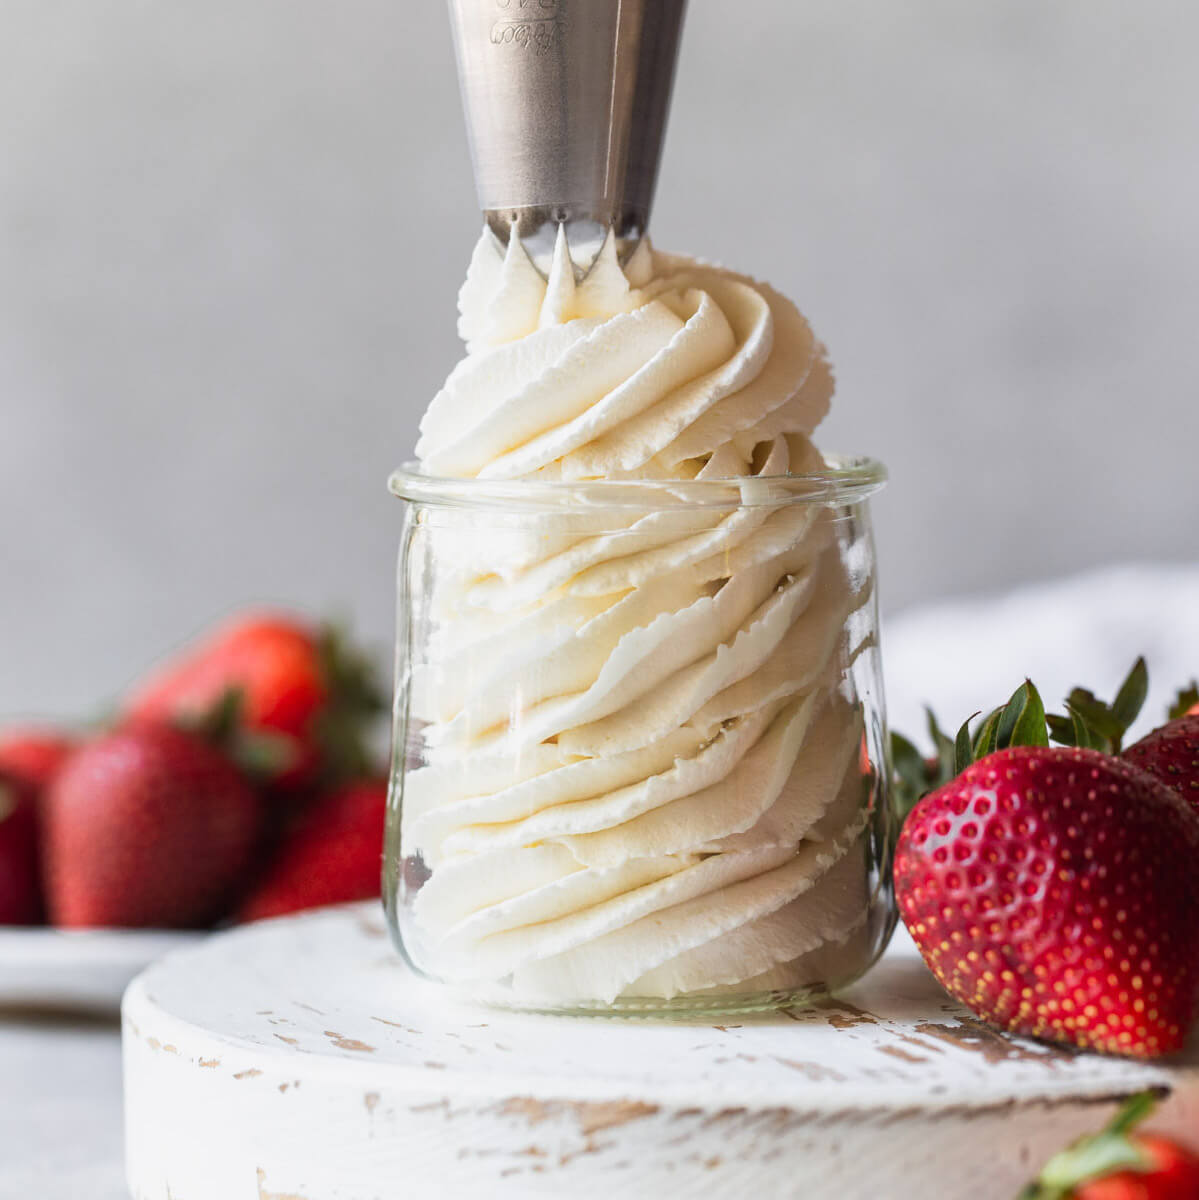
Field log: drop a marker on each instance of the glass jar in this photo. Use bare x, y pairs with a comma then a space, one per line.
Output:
640, 754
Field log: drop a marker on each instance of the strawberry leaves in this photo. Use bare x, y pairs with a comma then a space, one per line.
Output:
1186, 701
914, 775
262, 754
1092, 723
1088, 723
1020, 722
1130, 699
912, 778
345, 726
943, 745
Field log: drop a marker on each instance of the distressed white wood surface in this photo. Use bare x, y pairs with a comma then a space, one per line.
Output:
300, 1060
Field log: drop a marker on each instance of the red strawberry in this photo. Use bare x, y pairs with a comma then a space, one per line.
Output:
20, 894
147, 826
334, 855
294, 681
1054, 892
29, 760
1171, 753
34, 755
1119, 1164
1168, 1172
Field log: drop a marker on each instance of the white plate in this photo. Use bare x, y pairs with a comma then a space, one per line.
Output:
83, 970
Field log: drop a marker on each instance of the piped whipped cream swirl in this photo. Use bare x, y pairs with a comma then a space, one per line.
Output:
642, 770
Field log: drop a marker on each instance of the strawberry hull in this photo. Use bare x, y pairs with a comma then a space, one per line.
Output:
1120, 1163
301, 686
271, 661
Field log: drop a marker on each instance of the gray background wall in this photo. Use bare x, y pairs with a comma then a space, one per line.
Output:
231, 235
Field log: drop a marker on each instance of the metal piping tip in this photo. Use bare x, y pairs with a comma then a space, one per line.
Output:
566, 104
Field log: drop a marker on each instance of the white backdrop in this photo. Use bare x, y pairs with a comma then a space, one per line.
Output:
231, 236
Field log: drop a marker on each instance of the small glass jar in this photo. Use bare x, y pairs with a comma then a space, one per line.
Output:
640, 753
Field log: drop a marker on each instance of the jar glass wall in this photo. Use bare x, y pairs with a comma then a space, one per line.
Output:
640, 742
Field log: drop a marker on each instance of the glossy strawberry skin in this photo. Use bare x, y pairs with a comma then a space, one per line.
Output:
148, 826
20, 890
274, 662
1173, 1174
1171, 754
1054, 892
333, 856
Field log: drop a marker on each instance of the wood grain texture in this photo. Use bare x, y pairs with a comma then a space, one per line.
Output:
300, 1060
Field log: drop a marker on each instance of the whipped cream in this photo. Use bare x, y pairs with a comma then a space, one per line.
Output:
642, 770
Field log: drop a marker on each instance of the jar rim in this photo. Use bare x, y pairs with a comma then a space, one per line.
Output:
844, 480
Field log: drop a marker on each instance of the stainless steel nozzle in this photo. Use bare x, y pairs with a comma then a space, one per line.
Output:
566, 104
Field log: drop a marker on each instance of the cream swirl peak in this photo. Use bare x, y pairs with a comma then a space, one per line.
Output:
651, 371
640, 742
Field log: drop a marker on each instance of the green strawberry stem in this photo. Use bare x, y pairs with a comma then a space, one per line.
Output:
1135, 1110
1097, 1155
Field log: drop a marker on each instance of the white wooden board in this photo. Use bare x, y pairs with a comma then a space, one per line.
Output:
300, 1060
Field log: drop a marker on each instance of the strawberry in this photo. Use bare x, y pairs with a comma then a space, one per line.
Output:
1120, 1164
294, 682
29, 760
1171, 753
332, 856
147, 826
1053, 891
34, 755
20, 898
